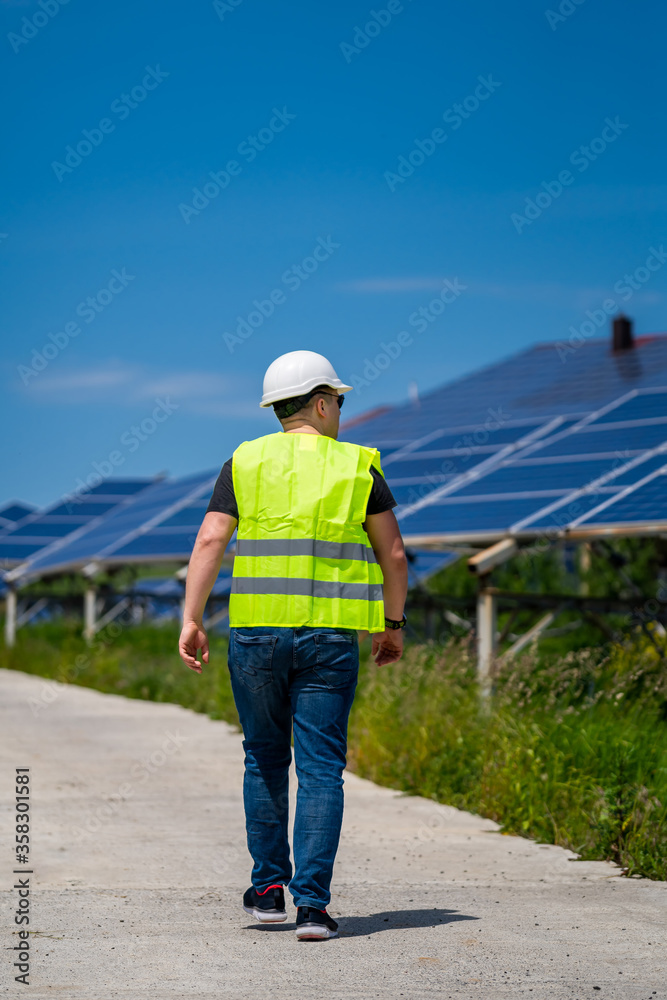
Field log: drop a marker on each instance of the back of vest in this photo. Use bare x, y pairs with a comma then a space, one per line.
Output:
303, 557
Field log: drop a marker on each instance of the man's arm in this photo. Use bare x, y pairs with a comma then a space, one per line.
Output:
385, 537
209, 548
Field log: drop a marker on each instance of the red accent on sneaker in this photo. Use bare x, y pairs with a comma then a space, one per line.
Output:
274, 886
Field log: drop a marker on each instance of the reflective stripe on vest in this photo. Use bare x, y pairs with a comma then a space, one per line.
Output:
304, 588
302, 555
304, 547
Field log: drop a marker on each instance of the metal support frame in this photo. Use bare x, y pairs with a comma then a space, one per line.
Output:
112, 613
30, 612
216, 618
529, 636
483, 562
455, 619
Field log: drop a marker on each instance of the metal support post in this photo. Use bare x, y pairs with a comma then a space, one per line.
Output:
487, 615
89, 612
10, 617
584, 568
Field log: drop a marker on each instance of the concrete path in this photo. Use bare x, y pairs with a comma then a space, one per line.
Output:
139, 860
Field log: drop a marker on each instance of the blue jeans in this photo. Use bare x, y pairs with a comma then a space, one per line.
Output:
303, 678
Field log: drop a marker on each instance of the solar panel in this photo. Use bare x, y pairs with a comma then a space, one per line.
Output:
19, 551
642, 405
135, 530
594, 440
554, 480
13, 512
423, 564
152, 586
47, 527
68, 516
561, 514
418, 469
533, 383
408, 495
554, 477
157, 544
645, 503
84, 508
650, 465
478, 439
455, 518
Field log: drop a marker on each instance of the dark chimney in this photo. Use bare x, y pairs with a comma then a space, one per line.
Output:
621, 334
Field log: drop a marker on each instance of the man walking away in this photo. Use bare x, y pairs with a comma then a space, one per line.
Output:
319, 557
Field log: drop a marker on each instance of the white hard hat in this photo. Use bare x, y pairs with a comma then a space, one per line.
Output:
297, 373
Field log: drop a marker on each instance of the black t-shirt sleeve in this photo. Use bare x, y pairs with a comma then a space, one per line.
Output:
381, 497
223, 499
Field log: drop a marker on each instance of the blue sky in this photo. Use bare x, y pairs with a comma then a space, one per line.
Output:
315, 111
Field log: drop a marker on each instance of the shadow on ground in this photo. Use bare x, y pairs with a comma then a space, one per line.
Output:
387, 920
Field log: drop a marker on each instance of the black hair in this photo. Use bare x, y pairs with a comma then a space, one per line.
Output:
288, 407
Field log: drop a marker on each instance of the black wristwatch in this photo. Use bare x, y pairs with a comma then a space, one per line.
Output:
390, 623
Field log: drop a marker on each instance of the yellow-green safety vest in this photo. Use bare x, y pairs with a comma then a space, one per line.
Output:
302, 555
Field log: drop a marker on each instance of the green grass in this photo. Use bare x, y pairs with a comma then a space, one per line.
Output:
571, 752
137, 662
572, 749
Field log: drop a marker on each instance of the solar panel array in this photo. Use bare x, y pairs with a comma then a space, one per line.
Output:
159, 524
66, 518
521, 447
463, 472
524, 478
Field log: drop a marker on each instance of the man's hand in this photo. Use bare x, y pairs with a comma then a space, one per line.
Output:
385, 537
193, 637
387, 646
209, 548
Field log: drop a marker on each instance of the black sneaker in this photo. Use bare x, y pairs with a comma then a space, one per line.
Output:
268, 907
314, 925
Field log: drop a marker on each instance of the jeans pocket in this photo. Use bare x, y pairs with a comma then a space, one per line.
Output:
251, 658
337, 658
